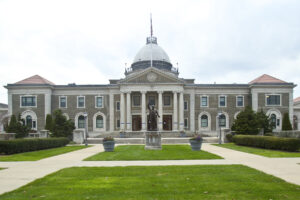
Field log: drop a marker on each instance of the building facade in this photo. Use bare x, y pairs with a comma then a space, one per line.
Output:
122, 105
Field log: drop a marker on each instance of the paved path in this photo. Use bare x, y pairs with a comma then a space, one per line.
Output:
18, 174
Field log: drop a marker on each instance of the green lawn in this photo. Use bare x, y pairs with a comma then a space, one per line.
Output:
168, 152
259, 151
38, 155
158, 182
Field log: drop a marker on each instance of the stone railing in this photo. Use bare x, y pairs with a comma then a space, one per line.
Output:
291, 134
7, 136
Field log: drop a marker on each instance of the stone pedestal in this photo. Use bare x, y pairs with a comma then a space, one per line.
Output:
153, 140
44, 134
78, 136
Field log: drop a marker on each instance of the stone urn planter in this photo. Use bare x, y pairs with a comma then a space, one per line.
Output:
196, 143
108, 144
122, 134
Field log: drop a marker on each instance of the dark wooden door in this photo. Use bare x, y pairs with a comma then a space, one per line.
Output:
167, 122
136, 122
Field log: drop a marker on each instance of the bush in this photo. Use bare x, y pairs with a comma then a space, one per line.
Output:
286, 124
229, 137
268, 142
49, 123
18, 127
61, 126
25, 145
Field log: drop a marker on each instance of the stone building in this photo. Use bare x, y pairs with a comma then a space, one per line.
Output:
122, 104
296, 122
3, 116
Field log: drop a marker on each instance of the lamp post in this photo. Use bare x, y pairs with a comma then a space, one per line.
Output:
219, 119
85, 127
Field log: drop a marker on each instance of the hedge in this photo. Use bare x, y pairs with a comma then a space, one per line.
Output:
268, 142
25, 145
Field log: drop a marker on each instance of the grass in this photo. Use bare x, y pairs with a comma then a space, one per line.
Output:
168, 152
157, 182
259, 151
38, 155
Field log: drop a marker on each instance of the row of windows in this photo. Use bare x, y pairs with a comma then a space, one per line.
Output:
222, 101
81, 102
204, 121
99, 122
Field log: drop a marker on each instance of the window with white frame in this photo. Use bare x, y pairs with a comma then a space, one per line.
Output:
186, 123
28, 101
80, 102
167, 100
204, 121
273, 100
222, 101
99, 121
62, 101
222, 120
118, 106
30, 123
186, 105
99, 102
136, 100
240, 101
204, 101
81, 121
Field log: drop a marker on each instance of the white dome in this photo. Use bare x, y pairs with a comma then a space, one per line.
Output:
157, 53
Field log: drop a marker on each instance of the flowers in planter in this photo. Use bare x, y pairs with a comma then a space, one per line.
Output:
197, 138
108, 138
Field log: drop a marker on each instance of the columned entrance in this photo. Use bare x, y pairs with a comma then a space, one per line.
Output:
167, 122
136, 122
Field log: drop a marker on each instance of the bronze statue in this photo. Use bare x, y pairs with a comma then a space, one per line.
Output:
153, 114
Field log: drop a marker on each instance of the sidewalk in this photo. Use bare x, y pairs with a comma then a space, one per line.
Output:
22, 173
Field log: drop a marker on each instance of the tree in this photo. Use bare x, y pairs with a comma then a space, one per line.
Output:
246, 122
18, 127
264, 121
61, 126
286, 124
49, 123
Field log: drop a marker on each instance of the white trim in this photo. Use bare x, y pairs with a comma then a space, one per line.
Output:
206, 102
208, 128
76, 120
266, 102
227, 121
33, 116
94, 121
66, 115
236, 114
78, 101
28, 95
96, 106
59, 102
278, 116
236, 101
219, 101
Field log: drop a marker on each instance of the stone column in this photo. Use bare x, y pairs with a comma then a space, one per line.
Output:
128, 111
144, 124
181, 112
291, 107
254, 101
160, 111
192, 111
10, 104
47, 104
175, 112
111, 112
122, 112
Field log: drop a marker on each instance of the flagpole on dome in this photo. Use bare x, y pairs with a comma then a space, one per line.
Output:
151, 34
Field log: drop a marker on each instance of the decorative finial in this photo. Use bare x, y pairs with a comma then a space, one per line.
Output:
151, 29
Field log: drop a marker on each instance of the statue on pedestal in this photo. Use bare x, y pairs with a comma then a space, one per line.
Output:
153, 114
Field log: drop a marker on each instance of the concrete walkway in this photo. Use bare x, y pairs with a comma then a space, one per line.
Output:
18, 174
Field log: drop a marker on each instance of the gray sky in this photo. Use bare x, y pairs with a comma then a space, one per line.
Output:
89, 42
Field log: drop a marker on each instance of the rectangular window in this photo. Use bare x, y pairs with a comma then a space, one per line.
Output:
136, 100
167, 100
80, 102
204, 101
118, 123
186, 107
240, 101
186, 125
99, 102
273, 100
29, 101
152, 100
118, 106
62, 102
222, 101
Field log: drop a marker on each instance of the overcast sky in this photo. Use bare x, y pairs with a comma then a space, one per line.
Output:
89, 42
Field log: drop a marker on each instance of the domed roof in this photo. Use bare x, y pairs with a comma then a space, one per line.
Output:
157, 52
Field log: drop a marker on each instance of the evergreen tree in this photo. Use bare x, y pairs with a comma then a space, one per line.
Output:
61, 126
263, 121
18, 127
246, 122
12, 126
286, 124
49, 123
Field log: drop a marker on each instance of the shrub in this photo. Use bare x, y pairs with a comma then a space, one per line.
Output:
61, 126
286, 124
263, 121
268, 142
229, 137
246, 122
49, 123
25, 145
18, 127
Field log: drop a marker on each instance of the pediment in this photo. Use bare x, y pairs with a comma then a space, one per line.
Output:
152, 75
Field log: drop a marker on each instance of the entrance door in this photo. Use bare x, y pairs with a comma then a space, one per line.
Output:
167, 122
136, 122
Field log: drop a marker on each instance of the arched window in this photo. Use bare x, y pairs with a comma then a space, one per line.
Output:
29, 121
273, 121
222, 120
204, 121
81, 122
99, 121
